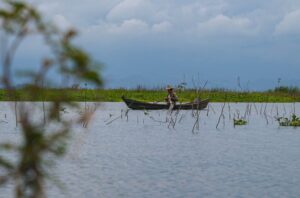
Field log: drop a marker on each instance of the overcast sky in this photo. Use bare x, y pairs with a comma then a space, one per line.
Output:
160, 42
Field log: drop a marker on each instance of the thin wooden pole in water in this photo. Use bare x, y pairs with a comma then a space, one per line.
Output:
220, 115
255, 108
261, 107
272, 108
229, 110
16, 112
294, 108
284, 109
207, 112
44, 113
85, 96
196, 124
211, 107
176, 116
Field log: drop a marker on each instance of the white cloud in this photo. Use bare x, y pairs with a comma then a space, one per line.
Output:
222, 24
125, 28
129, 26
128, 9
162, 27
208, 17
61, 22
202, 11
49, 7
290, 24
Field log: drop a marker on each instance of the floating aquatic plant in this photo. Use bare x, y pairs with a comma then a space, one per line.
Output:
293, 121
239, 122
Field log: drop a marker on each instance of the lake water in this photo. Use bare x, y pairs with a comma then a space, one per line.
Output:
142, 156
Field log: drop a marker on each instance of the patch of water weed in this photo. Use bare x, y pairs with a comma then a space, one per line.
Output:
293, 121
239, 122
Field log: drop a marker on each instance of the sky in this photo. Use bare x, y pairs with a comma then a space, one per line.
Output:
160, 42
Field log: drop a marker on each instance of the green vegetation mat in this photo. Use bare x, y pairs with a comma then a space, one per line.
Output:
294, 121
114, 95
239, 122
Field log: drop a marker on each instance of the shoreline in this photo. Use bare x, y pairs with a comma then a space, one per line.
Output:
114, 95
25, 101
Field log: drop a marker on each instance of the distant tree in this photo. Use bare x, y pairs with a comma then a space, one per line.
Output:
41, 142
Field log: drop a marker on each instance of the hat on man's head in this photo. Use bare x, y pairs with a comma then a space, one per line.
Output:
169, 87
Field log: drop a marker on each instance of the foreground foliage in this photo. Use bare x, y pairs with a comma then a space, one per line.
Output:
44, 140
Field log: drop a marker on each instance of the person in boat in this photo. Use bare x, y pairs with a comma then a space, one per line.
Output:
171, 97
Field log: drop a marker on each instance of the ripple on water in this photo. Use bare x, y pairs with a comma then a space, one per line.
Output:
143, 158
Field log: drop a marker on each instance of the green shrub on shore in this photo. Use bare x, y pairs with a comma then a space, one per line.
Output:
188, 95
285, 89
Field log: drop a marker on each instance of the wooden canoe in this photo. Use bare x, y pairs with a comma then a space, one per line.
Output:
137, 105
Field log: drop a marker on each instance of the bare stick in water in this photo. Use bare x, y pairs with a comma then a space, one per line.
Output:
220, 115
113, 120
16, 112
255, 108
212, 108
229, 109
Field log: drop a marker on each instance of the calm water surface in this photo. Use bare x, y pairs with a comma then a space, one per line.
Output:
142, 157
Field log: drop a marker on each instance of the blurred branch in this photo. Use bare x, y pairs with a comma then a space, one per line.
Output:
18, 20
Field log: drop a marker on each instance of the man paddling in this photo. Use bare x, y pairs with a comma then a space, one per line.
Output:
171, 97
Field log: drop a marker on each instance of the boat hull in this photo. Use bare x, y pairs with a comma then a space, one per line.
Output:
137, 105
